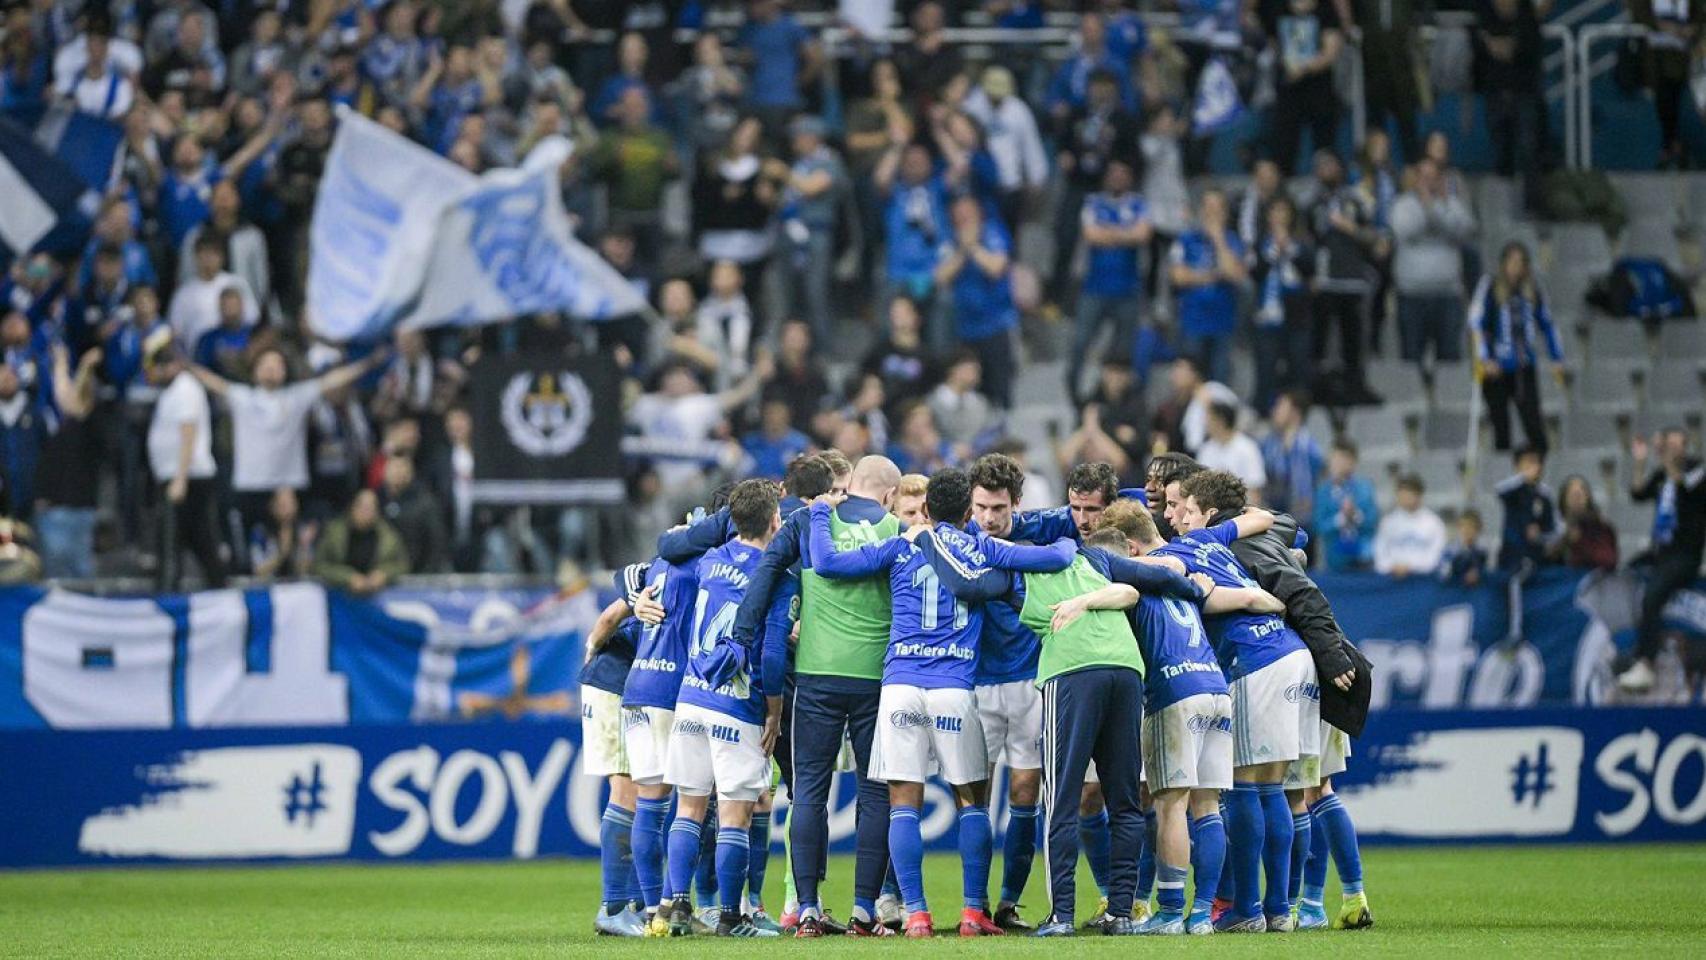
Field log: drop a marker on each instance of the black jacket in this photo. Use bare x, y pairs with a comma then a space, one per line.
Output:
1268, 557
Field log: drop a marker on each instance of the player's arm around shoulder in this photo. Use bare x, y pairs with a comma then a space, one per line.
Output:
967, 581
1025, 558
862, 561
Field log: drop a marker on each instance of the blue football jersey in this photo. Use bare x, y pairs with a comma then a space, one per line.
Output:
654, 678
608, 668
1244, 642
724, 574
934, 637
933, 641
1179, 659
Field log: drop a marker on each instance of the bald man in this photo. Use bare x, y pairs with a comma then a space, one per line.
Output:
838, 669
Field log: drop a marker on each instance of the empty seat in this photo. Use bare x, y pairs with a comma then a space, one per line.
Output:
1441, 471
1682, 338
1605, 386
1399, 381
1453, 387
1580, 247
1612, 339
1379, 429
1598, 465
1446, 430
1651, 196
1319, 422
1595, 428
1652, 238
1678, 380
1498, 202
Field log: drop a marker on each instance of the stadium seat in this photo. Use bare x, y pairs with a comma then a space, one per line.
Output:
1498, 202
1678, 380
1598, 465
1400, 382
1320, 425
1605, 386
1658, 197
1652, 238
1441, 471
1453, 387
1380, 427
1609, 338
1581, 249
1682, 338
1445, 430
1596, 428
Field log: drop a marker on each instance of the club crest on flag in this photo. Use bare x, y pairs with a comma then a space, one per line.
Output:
546, 414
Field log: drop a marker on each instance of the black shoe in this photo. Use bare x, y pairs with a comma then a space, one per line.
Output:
809, 928
681, 917
832, 927
1007, 918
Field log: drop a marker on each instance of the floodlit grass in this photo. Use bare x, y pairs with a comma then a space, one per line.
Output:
1634, 901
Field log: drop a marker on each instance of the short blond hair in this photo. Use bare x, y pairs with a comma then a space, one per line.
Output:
1132, 519
839, 465
913, 485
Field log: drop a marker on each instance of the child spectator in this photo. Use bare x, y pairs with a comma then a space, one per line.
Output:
1465, 560
1411, 538
1345, 512
1531, 515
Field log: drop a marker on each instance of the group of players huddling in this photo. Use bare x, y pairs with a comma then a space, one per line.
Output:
931, 627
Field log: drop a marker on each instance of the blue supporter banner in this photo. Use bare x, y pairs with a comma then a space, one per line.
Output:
500, 790
290, 722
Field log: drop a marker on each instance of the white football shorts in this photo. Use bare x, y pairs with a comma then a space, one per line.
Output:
645, 736
916, 726
1276, 712
602, 752
1189, 744
1012, 717
711, 751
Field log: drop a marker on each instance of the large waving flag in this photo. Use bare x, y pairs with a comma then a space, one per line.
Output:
88, 144
44, 204
402, 236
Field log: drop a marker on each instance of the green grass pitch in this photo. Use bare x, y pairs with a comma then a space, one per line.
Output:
1634, 901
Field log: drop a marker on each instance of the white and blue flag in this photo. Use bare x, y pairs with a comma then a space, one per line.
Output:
1218, 104
403, 237
87, 144
44, 204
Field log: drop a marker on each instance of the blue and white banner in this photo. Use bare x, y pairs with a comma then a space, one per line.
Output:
87, 144
495, 790
402, 236
1439, 646
44, 204
1558, 775
287, 655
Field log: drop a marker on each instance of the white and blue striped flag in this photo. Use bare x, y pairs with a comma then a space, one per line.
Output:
403, 237
44, 204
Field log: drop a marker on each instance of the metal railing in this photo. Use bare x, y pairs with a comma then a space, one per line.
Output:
1586, 37
1564, 59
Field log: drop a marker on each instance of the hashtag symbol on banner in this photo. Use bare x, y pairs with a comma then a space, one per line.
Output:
1532, 777
303, 798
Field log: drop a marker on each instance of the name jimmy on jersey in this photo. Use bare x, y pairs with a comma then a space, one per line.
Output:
734, 576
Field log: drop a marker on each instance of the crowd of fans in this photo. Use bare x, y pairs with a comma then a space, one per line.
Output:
864, 208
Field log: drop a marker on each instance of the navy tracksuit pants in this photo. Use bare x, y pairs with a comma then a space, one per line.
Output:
819, 710
1094, 714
